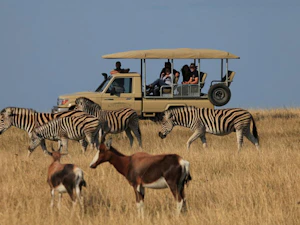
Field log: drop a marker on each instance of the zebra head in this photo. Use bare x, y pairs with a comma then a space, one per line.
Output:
167, 125
79, 104
35, 141
6, 117
87, 105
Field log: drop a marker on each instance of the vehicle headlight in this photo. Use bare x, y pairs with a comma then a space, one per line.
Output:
62, 101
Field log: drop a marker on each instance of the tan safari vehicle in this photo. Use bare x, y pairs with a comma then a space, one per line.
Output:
121, 90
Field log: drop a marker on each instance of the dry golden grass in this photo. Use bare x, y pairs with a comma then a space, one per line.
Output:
227, 187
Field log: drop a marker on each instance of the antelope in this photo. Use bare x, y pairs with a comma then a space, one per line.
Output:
64, 178
143, 170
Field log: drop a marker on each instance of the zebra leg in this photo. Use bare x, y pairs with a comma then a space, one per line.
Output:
64, 144
129, 135
89, 139
43, 145
101, 136
203, 139
195, 135
83, 144
239, 137
252, 139
137, 132
58, 144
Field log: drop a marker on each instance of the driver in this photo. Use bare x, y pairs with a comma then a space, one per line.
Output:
118, 69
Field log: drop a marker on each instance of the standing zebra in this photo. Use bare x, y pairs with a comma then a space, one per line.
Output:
116, 120
28, 119
214, 121
64, 128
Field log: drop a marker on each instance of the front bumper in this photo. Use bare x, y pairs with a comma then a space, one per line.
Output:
57, 109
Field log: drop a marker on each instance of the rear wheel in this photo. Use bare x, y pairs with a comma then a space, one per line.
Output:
219, 94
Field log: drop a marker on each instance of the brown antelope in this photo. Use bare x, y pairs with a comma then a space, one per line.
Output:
148, 171
64, 178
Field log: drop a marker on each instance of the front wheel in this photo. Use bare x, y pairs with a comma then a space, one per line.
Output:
219, 94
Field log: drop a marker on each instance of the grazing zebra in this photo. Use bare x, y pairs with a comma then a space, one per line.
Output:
214, 121
28, 119
117, 120
64, 128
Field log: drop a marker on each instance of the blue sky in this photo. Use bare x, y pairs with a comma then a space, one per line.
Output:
49, 48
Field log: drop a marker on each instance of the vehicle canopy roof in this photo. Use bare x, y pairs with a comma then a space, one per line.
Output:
177, 53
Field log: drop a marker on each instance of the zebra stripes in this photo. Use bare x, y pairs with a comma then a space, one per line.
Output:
75, 128
214, 121
27, 119
125, 119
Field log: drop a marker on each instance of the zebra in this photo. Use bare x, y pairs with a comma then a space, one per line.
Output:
27, 119
214, 121
75, 128
116, 120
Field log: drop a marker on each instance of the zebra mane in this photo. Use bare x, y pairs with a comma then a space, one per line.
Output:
179, 109
17, 110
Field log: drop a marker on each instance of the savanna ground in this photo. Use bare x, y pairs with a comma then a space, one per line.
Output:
227, 187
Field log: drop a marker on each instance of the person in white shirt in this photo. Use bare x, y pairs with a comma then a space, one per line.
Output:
166, 79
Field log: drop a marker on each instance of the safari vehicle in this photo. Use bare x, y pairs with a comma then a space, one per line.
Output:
129, 89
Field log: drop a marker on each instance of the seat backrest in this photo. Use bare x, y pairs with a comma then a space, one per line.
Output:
231, 75
203, 77
202, 81
175, 80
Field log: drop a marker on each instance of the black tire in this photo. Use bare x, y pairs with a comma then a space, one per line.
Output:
219, 94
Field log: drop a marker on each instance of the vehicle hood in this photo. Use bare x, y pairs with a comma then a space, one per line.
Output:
72, 97
77, 94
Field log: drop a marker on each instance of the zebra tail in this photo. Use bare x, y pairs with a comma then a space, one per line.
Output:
254, 130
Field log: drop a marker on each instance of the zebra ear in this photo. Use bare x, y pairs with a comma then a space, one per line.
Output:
104, 126
108, 142
170, 115
8, 112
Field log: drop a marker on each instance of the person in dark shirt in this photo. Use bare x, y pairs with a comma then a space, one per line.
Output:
118, 69
118, 84
194, 78
186, 73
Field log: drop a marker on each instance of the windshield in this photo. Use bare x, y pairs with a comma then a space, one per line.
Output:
103, 84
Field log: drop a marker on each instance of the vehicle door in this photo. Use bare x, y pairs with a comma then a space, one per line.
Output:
119, 94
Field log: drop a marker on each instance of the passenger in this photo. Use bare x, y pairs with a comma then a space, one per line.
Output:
118, 69
167, 79
186, 73
194, 78
175, 72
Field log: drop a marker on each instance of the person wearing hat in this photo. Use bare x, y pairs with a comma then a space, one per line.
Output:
194, 78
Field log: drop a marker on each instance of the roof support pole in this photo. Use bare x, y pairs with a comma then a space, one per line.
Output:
221, 69
144, 77
172, 86
199, 71
227, 72
141, 67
